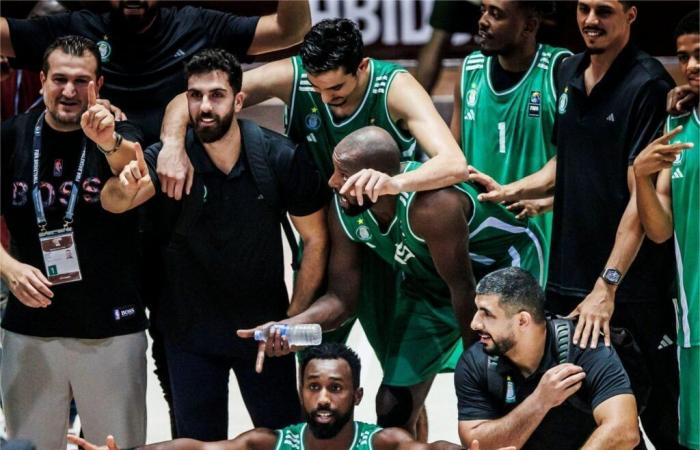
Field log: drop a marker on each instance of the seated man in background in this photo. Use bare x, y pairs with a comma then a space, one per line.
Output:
513, 385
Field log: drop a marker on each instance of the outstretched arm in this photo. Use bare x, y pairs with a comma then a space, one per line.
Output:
257, 439
534, 186
282, 29
412, 108
400, 439
332, 309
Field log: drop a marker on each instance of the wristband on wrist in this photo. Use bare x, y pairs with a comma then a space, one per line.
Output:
118, 138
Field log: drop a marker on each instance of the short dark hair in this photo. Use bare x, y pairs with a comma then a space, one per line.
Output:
332, 350
331, 44
689, 24
211, 59
74, 46
628, 4
517, 290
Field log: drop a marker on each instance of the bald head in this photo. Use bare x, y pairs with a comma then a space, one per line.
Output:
369, 148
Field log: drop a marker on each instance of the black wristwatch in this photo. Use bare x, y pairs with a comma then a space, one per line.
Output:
611, 276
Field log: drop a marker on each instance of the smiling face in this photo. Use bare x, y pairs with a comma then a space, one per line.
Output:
328, 397
688, 51
212, 104
604, 24
491, 322
65, 87
501, 26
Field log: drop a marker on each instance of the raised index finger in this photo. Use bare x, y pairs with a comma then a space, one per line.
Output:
140, 161
92, 94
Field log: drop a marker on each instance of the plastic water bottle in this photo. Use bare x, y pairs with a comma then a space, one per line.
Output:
300, 335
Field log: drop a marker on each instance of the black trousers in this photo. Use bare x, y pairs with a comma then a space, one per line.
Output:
199, 388
649, 323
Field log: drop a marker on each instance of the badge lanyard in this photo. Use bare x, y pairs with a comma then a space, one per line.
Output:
36, 191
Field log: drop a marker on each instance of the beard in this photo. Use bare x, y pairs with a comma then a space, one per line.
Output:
215, 132
134, 22
327, 430
499, 348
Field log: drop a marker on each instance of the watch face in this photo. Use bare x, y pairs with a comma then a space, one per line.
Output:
612, 276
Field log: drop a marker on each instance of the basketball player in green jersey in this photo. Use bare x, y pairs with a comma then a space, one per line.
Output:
671, 210
434, 239
332, 89
505, 104
329, 390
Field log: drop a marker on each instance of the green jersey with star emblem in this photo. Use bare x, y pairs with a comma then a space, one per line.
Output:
496, 239
292, 437
685, 195
508, 134
310, 120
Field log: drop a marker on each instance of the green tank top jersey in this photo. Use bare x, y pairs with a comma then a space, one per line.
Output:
292, 437
685, 187
508, 134
308, 119
496, 239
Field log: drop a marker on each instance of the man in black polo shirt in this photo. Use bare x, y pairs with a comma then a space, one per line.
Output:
611, 104
223, 253
75, 330
512, 388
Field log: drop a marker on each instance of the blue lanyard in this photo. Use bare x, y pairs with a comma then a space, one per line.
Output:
36, 191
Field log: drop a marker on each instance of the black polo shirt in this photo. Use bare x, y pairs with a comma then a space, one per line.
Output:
564, 427
225, 270
144, 71
598, 136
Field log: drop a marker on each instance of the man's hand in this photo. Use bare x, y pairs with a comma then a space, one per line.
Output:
276, 344
680, 99
80, 442
175, 171
659, 154
118, 114
28, 284
475, 446
98, 122
530, 208
371, 183
559, 383
495, 192
594, 314
134, 175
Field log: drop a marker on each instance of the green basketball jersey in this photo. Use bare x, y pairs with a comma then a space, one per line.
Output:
685, 187
292, 437
310, 120
508, 134
496, 239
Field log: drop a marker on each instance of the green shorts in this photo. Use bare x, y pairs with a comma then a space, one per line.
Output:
423, 336
689, 403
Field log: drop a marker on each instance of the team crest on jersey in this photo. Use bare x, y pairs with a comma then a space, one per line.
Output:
312, 121
105, 50
535, 103
679, 158
471, 97
563, 101
363, 233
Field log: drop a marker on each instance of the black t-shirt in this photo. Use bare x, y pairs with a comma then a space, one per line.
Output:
106, 302
225, 269
565, 426
598, 137
143, 72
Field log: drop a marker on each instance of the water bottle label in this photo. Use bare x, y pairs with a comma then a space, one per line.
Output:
283, 329
259, 335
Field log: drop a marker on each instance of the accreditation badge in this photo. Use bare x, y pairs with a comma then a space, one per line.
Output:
60, 256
